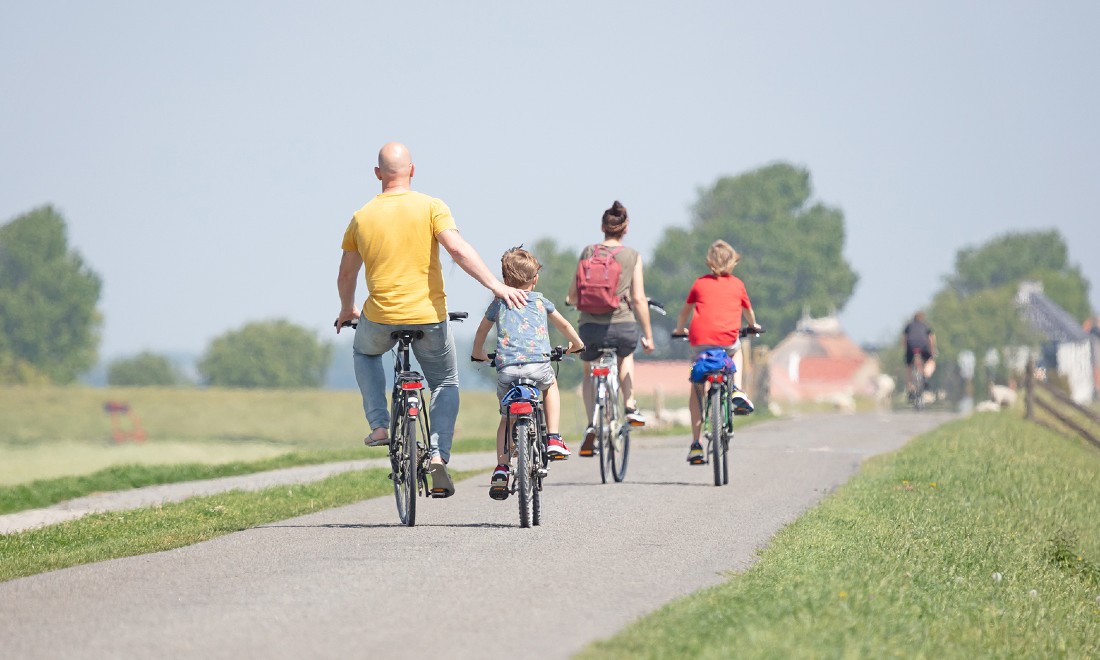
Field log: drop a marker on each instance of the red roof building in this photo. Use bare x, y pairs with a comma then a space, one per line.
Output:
817, 362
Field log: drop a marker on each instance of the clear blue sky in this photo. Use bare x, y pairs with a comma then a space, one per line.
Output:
207, 155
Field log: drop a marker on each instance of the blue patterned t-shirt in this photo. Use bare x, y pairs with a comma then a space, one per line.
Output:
522, 335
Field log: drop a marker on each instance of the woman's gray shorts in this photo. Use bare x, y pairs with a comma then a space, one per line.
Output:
540, 373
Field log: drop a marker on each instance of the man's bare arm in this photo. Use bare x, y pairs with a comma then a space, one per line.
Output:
470, 261
350, 263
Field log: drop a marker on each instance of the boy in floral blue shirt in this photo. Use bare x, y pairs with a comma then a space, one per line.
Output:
523, 351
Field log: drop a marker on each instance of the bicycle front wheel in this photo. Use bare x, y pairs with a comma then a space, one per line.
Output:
620, 451
523, 435
714, 427
403, 462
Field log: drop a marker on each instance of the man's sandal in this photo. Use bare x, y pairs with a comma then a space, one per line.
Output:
376, 440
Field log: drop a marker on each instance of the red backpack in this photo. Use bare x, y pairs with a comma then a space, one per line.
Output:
598, 281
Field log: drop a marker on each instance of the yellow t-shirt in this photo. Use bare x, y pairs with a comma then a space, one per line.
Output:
396, 235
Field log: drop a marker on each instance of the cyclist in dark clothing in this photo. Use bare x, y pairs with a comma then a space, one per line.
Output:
918, 339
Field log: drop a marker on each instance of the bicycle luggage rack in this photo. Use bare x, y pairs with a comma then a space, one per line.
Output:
119, 410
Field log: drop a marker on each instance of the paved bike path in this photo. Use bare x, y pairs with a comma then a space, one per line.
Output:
466, 582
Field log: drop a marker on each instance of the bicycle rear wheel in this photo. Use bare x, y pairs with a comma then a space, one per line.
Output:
727, 436
918, 384
714, 425
522, 435
538, 462
403, 461
603, 441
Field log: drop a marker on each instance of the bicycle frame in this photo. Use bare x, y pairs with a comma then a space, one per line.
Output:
718, 393
410, 456
526, 437
918, 380
612, 435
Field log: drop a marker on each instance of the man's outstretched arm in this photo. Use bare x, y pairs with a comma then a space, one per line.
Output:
470, 261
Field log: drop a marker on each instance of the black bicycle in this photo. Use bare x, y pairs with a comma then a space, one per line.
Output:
718, 411
525, 437
409, 450
920, 383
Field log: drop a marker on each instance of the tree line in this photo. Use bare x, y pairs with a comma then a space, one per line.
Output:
792, 263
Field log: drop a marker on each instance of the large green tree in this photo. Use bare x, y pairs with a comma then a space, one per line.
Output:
266, 354
49, 324
1011, 258
143, 370
791, 247
976, 308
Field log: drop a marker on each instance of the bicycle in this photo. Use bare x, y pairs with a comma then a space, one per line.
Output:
717, 412
612, 436
410, 456
525, 436
916, 395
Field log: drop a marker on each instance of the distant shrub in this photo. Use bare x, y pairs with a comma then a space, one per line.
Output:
143, 370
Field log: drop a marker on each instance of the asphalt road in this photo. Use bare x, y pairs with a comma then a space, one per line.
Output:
466, 582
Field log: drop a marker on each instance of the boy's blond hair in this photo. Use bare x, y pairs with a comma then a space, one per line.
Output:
519, 267
721, 258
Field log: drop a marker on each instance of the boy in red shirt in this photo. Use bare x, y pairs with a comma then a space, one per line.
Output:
717, 301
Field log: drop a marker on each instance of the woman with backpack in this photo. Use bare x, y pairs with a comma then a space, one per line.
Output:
609, 292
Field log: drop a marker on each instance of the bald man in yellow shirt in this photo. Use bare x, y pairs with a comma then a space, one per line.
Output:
395, 239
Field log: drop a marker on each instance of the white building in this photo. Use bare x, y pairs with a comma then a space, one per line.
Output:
1066, 347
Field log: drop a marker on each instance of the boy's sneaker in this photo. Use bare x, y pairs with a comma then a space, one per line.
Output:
695, 454
741, 403
588, 447
555, 448
634, 418
498, 485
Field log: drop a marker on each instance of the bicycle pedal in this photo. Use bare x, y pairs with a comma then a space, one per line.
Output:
633, 423
543, 472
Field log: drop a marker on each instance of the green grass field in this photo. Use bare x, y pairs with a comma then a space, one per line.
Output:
48, 432
977, 540
56, 442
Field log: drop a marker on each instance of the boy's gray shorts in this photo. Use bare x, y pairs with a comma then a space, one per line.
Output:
540, 373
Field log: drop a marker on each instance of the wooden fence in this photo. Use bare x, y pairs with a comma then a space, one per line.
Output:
1057, 404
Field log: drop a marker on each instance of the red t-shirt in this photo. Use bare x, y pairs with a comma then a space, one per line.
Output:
718, 303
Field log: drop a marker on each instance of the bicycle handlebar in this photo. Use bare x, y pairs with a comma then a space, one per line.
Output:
451, 316
754, 330
557, 354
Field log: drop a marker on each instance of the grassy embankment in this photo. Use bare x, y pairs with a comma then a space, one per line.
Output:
977, 540
104, 536
55, 442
